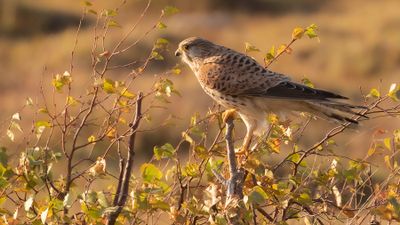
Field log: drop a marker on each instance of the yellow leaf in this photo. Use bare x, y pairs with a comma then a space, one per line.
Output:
297, 33
176, 71
169, 10
273, 118
122, 120
161, 25
71, 101
59, 81
250, 48
187, 138
111, 132
282, 48
91, 138
113, 23
387, 161
125, 93
42, 110
371, 151
374, 93
388, 143
275, 145
109, 86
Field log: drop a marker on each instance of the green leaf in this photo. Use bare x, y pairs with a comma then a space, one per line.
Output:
396, 205
169, 10
91, 213
3, 156
250, 48
257, 195
165, 151
374, 93
3, 183
161, 25
150, 172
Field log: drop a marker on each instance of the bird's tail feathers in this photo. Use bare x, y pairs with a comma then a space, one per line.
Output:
336, 111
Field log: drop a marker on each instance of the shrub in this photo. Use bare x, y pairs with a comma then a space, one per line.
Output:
76, 134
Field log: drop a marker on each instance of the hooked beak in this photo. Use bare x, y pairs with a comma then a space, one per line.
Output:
178, 53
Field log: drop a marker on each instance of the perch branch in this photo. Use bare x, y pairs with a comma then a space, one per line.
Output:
233, 185
121, 194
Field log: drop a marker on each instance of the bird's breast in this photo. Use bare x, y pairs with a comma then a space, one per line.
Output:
226, 100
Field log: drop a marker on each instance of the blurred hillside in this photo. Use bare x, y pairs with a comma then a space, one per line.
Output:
359, 47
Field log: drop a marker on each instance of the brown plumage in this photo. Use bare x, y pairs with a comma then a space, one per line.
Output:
237, 81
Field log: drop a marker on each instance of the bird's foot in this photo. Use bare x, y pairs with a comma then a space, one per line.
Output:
243, 151
229, 113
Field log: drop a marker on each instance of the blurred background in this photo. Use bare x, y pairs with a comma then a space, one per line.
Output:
359, 49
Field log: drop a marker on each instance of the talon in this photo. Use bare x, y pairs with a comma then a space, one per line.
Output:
229, 113
242, 151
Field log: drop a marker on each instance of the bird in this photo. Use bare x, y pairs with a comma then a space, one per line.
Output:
239, 83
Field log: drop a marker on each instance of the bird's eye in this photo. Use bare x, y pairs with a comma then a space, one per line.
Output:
185, 47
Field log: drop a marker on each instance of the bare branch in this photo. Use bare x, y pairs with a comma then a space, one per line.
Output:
125, 172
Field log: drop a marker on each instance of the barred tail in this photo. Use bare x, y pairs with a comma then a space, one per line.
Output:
336, 111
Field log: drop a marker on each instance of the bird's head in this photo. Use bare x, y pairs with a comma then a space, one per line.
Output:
194, 50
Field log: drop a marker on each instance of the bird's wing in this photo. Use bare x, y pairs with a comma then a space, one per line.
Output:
237, 74
243, 76
291, 90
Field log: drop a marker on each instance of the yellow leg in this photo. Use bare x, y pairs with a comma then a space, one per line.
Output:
228, 114
246, 144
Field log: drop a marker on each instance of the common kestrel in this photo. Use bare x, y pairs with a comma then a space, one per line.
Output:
238, 82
